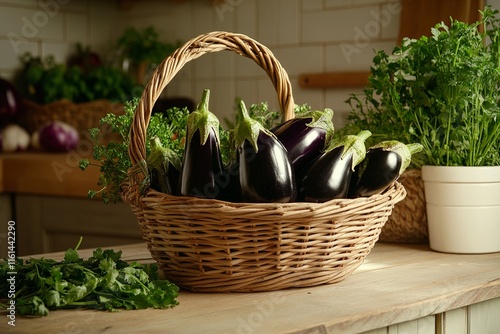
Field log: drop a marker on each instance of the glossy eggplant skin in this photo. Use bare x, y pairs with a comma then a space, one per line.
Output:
375, 173
170, 182
327, 178
303, 143
201, 167
266, 175
230, 184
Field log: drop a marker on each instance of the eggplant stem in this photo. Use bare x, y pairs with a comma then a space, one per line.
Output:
248, 128
203, 120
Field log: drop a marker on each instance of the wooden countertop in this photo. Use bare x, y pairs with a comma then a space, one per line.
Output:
46, 174
396, 283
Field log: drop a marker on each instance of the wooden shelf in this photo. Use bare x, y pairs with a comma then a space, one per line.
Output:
334, 79
46, 174
416, 20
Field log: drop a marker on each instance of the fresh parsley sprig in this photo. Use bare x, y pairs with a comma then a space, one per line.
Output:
102, 282
111, 141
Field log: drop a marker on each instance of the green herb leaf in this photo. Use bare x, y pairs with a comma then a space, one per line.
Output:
111, 156
441, 91
102, 282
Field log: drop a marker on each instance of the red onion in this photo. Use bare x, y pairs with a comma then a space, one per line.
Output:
57, 136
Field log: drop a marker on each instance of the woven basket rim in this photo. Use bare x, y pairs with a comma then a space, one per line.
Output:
395, 190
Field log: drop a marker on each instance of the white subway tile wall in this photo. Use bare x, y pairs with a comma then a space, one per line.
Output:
305, 35
53, 27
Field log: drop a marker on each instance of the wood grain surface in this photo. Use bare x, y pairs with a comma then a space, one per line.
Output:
396, 283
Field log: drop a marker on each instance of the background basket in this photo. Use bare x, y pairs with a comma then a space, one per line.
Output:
82, 116
408, 221
215, 246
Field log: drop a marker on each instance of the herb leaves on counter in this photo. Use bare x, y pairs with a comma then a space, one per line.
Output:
102, 282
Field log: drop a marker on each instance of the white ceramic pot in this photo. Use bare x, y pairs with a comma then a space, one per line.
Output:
463, 208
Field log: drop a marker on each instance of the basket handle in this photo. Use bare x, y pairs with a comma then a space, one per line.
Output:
211, 42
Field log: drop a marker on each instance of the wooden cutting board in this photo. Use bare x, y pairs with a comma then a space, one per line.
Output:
416, 20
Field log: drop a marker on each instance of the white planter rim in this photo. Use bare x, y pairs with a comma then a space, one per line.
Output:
461, 174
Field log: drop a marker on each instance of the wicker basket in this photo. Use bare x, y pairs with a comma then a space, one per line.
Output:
82, 116
214, 246
408, 221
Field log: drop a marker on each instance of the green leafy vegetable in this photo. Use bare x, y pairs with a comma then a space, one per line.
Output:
145, 45
112, 156
43, 80
102, 282
441, 91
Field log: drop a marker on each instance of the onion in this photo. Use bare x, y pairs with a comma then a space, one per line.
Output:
10, 102
14, 138
57, 136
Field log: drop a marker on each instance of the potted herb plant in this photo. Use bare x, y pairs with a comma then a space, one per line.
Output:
443, 92
142, 50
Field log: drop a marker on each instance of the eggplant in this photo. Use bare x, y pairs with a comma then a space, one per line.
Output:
265, 170
383, 165
305, 137
202, 163
10, 103
164, 168
328, 177
230, 183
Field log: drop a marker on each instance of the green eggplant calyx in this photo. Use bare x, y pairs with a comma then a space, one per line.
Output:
248, 128
203, 120
161, 157
322, 119
353, 144
404, 150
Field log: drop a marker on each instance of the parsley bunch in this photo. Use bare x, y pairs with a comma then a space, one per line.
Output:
111, 155
441, 91
102, 282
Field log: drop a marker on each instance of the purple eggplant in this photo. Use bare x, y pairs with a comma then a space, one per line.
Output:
383, 165
305, 137
202, 162
10, 103
265, 170
164, 168
328, 177
230, 183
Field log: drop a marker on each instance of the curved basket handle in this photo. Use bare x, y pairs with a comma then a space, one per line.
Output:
211, 42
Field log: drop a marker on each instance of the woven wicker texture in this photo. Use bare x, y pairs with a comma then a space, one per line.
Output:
408, 221
214, 246
82, 116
